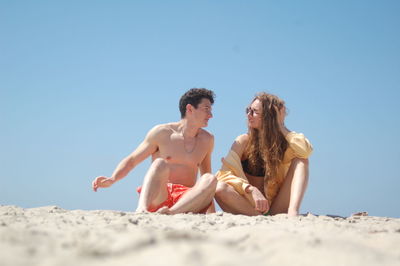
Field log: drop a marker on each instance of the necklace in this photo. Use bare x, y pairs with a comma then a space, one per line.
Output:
194, 146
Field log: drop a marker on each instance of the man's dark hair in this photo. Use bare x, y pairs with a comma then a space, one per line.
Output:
194, 97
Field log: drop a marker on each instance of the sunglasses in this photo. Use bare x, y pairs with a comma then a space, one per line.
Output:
251, 111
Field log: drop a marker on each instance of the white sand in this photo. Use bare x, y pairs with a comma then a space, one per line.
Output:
53, 236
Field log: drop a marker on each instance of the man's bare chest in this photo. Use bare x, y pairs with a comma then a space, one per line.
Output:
179, 150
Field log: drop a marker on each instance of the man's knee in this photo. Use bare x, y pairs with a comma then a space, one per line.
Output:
209, 181
160, 165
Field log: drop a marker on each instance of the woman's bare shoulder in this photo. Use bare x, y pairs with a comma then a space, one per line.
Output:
239, 144
244, 138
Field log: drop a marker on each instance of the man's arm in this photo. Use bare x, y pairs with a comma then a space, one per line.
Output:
205, 165
144, 150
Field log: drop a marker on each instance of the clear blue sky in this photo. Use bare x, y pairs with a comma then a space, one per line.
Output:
81, 83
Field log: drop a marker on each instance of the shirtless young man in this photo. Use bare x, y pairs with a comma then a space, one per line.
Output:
178, 151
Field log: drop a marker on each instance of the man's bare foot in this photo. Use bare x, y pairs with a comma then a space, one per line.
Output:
141, 210
164, 210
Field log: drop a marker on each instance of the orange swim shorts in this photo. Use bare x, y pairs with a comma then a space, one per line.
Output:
175, 192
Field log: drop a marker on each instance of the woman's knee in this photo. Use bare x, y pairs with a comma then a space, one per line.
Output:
300, 166
222, 190
221, 187
300, 161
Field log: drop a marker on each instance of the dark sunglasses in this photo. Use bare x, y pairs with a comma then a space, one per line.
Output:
250, 111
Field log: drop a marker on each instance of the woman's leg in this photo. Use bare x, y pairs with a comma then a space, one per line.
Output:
231, 201
292, 191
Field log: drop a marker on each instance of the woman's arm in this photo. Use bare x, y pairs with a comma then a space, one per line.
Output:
239, 144
297, 141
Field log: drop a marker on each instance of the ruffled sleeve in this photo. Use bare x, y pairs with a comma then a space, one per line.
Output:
232, 172
239, 184
300, 145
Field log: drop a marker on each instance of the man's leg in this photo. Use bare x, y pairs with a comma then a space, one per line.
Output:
154, 188
211, 209
292, 191
231, 201
198, 197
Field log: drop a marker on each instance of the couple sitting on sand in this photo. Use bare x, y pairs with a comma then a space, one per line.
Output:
265, 172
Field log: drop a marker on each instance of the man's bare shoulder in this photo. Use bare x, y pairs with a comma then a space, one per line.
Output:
204, 134
164, 127
161, 130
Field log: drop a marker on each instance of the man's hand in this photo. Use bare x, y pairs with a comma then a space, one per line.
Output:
101, 182
260, 201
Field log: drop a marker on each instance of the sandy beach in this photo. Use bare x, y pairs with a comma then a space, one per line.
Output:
53, 236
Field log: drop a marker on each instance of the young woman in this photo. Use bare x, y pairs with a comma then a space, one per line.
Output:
266, 170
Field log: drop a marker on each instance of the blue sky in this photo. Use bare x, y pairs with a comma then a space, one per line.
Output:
81, 83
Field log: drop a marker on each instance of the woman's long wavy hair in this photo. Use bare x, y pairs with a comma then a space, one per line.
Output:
266, 145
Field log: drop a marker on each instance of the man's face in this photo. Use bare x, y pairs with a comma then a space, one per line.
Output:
203, 112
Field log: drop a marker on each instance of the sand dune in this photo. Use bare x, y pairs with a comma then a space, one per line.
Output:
54, 236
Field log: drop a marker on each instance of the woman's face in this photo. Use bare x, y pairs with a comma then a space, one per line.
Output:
254, 114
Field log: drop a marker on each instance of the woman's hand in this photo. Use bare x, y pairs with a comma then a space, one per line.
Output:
260, 201
281, 113
101, 182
